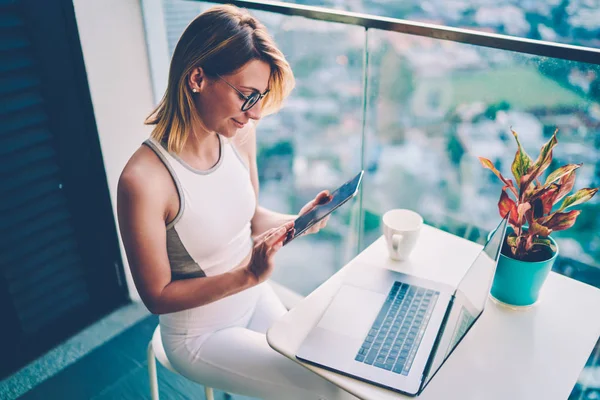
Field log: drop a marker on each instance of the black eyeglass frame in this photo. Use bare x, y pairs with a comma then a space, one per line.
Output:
250, 101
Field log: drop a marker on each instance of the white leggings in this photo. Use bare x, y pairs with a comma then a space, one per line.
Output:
239, 360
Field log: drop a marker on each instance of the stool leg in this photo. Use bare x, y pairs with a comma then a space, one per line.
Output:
209, 393
152, 373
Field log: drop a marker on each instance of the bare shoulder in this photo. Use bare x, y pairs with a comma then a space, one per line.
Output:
145, 177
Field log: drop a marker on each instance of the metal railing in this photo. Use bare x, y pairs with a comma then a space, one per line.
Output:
485, 39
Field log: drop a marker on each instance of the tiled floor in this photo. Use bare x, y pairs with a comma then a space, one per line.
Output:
117, 368
71, 350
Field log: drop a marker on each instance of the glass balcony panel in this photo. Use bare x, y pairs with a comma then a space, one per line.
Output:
435, 106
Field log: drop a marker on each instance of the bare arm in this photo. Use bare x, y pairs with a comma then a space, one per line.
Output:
265, 219
141, 211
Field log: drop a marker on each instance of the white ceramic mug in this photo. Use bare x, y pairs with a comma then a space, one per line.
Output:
401, 229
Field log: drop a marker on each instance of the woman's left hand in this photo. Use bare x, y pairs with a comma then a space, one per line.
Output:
321, 198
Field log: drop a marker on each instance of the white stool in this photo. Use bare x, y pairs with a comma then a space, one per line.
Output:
157, 352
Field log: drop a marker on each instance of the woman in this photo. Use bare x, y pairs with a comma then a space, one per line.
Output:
199, 246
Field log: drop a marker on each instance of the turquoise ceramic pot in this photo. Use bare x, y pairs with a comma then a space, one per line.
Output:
518, 283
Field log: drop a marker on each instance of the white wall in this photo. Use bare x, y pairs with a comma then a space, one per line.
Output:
114, 50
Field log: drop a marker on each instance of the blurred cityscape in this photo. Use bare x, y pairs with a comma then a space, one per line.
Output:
432, 107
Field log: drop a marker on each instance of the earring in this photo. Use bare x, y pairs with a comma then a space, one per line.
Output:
195, 90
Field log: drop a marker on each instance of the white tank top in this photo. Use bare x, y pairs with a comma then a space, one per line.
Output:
210, 235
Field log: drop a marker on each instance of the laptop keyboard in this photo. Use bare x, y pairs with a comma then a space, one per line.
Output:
394, 337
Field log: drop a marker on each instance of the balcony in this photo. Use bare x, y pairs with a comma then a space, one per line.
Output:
411, 103
414, 111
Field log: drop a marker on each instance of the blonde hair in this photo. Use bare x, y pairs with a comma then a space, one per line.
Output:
221, 40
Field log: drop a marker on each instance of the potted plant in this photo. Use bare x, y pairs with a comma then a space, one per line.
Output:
529, 251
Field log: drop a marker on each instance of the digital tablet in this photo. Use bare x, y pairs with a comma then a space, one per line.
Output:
338, 197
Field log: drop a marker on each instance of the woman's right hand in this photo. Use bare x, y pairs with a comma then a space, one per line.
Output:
266, 245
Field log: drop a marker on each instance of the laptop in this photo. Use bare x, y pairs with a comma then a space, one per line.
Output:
396, 330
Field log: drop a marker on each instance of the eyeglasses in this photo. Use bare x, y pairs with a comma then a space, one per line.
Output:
251, 100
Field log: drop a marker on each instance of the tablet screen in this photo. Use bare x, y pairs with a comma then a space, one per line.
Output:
338, 197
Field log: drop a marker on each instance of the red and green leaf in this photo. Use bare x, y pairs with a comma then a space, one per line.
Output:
566, 184
540, 165
522, 161
560, 221
545, 157
506, 205
537, 229
560, 172
579, 197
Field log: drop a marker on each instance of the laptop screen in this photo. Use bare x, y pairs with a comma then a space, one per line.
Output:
470, 297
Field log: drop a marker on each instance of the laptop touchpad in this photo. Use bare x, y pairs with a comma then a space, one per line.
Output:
352, 311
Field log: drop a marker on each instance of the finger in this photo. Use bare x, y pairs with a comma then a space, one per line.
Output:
276, 236
323, 198
261, 238
265, 235
287, 227
291, 234
274, 249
